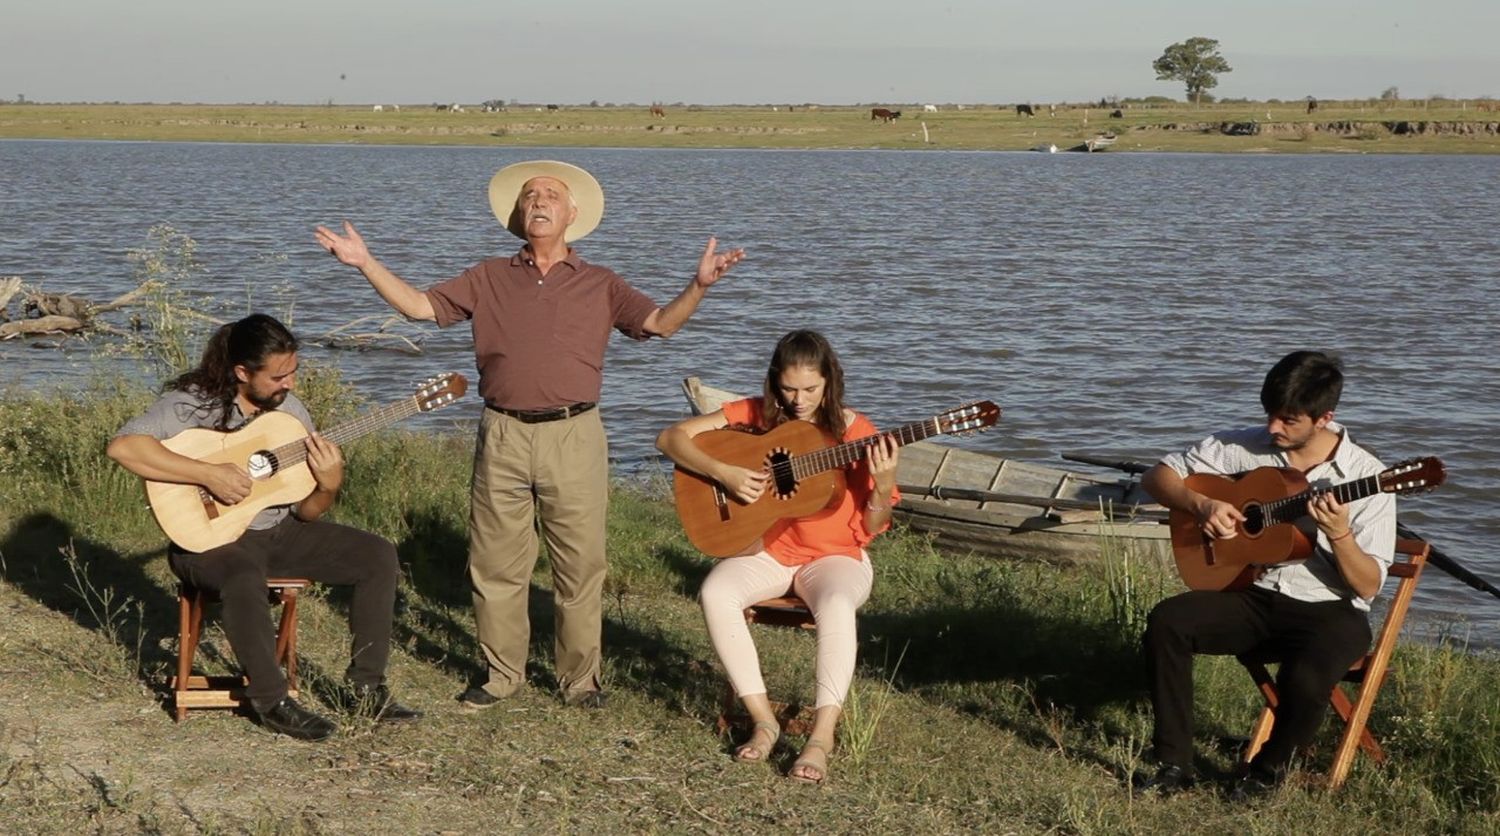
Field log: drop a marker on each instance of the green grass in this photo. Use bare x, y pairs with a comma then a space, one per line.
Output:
993, 696
985, 127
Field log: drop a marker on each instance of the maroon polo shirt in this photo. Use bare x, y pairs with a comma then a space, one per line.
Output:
539, 341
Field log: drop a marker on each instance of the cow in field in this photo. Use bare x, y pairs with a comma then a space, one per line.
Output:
883, 114
553, 107
1312, 104
658, 111
1116, 114
1024, 110
929, 108
379, 109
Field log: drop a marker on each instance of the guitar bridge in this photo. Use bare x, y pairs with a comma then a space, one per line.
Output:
210, 507
721, 501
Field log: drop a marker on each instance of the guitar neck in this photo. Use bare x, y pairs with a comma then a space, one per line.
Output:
376, 419
1292, 508
849, 452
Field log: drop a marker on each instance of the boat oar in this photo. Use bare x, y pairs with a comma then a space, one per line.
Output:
1448, 564
975, 495
1127, 465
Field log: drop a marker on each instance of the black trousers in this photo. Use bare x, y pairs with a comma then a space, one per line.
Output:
1315, 642
321, 551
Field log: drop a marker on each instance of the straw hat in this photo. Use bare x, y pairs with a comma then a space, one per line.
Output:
505, 191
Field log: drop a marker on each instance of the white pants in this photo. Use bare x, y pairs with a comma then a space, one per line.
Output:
833, 587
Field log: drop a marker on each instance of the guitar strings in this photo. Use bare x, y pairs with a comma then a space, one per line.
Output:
1289, 508
295, 452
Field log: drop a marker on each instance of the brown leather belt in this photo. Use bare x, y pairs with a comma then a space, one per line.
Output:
539, 416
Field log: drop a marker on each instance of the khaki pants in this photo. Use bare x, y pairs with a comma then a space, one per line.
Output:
553, 476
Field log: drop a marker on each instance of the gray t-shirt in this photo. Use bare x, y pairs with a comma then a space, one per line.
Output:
177, 411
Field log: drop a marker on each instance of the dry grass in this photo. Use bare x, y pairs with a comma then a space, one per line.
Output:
1010, 695
982, 127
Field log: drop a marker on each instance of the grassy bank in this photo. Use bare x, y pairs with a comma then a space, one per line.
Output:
992, 696
1354, 127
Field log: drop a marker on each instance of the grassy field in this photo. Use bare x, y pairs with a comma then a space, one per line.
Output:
992, 696
1354, 127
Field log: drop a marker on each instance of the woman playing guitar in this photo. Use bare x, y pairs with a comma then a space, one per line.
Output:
820, 558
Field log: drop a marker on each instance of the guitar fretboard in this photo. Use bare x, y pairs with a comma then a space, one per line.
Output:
296, 452
1294, 507
840, 455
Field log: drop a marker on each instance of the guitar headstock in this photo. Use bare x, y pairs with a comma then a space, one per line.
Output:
440, 391
969, 417
1413, 476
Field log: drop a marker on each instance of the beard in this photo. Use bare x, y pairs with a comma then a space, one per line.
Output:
266, 402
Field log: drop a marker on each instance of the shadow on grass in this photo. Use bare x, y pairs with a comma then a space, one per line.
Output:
101, 590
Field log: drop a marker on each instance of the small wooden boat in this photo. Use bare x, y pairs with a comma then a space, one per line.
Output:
984, 503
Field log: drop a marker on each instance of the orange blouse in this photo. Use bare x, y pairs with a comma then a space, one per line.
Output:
840, 530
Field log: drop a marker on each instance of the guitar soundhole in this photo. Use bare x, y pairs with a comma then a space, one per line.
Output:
779, 464
262, 464
1255, 521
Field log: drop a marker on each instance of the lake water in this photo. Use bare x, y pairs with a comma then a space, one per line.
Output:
1123, 304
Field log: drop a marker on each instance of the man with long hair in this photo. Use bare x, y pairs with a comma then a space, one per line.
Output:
541, 320
1313, 613
250, 367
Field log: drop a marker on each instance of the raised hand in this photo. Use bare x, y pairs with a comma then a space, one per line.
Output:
348, 248
713, 265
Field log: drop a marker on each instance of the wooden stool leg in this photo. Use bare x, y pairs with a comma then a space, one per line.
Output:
189, 630
184, 651
1261, 732
286, 637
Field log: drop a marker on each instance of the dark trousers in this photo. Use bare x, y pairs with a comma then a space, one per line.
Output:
1316, 644
321, 551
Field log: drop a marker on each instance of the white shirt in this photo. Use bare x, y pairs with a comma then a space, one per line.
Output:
1372, 519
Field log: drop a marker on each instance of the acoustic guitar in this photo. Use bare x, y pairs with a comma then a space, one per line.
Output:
273, 450
1274, 501
806, 469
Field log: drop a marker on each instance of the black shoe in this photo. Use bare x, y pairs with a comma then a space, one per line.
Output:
376, 702
477, 697
591, 698
1253, 785
289, 718
1169, 779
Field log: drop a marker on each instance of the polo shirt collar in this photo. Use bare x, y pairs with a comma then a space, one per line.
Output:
523, 256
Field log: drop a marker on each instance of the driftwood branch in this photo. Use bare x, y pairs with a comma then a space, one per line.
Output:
51, 324
343, 337
54, 314
50, 313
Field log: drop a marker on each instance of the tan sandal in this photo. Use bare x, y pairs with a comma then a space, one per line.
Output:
805, 763
751, 753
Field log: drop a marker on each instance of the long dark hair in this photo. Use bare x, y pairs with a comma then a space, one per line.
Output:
810, 349
249, 343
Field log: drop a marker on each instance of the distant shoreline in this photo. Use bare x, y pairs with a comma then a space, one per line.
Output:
1404, 127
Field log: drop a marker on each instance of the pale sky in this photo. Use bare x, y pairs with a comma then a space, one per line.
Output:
719, 52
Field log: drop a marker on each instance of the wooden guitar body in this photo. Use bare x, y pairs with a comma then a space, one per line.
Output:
272, 450
720, 525
192, 518
1276, 527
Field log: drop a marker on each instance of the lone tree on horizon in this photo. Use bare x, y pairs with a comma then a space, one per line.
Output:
1195, 62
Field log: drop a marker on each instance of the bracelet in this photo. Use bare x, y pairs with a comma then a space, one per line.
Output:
1347, 532
871, 506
